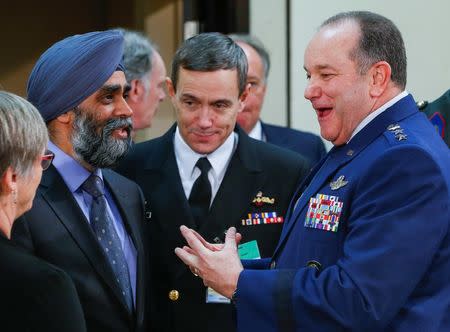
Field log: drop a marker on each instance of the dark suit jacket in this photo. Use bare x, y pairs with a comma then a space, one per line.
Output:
56, 230
308, 145
35, 296
255, 166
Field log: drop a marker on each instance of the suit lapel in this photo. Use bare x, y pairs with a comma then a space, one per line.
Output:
163, 176
120, 199
166, 184
233, 197
61, 200
340, 156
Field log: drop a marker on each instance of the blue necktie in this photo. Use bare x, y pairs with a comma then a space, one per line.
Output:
104, 230
200, 197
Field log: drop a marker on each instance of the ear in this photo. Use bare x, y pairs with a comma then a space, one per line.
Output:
137, 90
9, 180
65, 118
170, 87
380, 76
243, 97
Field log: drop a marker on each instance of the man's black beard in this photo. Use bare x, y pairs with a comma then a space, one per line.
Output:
97, 147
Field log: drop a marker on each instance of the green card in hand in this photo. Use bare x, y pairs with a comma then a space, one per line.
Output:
249, 250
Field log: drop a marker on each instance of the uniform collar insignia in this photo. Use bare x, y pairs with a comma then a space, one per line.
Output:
339, 183
260, 200
397, 131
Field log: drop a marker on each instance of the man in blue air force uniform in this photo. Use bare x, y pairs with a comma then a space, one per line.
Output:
366, 243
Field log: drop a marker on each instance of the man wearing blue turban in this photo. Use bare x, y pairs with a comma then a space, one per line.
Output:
86, 219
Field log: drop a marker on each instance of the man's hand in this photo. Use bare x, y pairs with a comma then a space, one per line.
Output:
218, 265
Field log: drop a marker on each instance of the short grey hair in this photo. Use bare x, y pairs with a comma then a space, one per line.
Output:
137, 54
258, 46
210, 52
23, 134
380, 41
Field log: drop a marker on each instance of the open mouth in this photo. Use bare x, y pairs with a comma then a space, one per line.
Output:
323, 112
122, 132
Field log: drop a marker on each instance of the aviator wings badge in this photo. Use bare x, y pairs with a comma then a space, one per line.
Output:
339, 183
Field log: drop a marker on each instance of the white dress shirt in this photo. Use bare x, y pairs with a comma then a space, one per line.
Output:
257, 132
187, 158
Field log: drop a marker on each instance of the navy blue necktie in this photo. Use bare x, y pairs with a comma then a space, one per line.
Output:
200, 197
107, 237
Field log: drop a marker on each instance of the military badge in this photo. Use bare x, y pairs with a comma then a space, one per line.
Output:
339, 183
260, 200
397, 131
262, 218
324, 212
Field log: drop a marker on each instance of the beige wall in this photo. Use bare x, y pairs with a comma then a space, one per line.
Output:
29, 27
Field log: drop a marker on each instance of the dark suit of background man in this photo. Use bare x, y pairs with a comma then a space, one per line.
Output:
438, 112
79, 87
250, 182
308, 145
366, 244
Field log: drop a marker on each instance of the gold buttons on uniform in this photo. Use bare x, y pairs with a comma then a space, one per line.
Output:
273, 265
174, 295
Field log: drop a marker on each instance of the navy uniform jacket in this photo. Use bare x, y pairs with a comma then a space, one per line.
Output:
438, 112
386, 266
308, 145
56, 230
254, 167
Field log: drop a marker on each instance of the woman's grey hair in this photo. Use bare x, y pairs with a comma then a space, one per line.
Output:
137, 54
380, 40
23, 134
258, 46
210, 52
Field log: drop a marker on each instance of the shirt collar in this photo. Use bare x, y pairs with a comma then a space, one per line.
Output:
256, 132
219, 158
70, 170
377, 112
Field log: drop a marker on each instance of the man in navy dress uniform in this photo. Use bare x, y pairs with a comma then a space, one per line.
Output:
366, 243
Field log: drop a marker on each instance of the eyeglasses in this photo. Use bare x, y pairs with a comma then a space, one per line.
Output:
46, 159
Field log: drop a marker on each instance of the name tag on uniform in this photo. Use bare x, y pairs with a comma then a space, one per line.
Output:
248, 250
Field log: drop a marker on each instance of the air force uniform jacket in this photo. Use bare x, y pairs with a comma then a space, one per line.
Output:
366, 243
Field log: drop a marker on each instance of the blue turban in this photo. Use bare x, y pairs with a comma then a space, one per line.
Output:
73, 69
